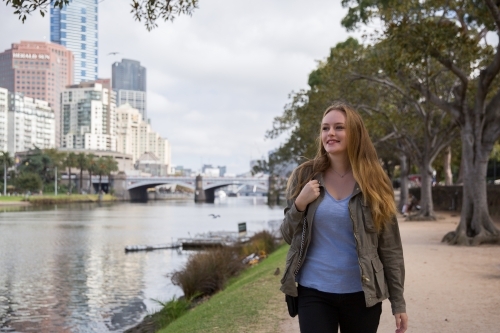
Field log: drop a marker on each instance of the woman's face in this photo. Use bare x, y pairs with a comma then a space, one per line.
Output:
333, 134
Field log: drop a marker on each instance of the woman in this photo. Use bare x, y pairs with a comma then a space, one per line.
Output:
345, 256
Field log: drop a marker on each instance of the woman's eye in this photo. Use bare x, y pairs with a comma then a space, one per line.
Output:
339, 127
325, 128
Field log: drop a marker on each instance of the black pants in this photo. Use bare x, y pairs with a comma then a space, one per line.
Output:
321, 312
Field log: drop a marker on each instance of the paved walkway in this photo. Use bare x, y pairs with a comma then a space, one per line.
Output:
448, 288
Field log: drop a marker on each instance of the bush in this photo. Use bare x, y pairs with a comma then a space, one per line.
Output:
261, 242
207, 272
29, 182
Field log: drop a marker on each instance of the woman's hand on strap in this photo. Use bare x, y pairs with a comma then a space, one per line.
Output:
308, 194
401, 322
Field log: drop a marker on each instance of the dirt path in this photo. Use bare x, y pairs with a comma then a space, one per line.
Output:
448, 288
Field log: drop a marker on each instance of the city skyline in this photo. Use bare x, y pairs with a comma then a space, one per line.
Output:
213, 91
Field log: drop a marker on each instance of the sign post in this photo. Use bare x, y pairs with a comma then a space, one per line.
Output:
242, 229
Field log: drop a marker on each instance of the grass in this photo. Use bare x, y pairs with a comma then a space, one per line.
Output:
64, 198
251, 302
12, 198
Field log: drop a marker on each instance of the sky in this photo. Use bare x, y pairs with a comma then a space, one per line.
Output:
216, 79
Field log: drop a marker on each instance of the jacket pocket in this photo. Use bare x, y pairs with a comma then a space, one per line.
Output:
290, 257
378, 272
367, 219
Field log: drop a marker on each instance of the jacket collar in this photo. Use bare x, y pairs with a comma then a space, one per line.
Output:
356, 190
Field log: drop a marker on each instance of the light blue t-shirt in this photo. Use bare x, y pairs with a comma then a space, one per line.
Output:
332, 264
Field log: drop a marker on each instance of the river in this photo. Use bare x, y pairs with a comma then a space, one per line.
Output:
64, 268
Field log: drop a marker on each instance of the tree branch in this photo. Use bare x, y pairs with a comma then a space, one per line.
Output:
445, 106
495, 13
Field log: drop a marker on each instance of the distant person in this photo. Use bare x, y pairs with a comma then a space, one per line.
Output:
349, 257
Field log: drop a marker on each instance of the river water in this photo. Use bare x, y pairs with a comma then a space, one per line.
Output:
64, 268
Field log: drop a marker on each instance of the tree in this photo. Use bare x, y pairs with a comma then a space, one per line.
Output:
111, 166
91, 168
42, 162
453, 35
398, 122
148, 11
71, 161
101, 168
7, 162
82, 162
28, 181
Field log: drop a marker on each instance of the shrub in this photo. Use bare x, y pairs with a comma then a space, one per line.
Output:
171, 310
261, 242
207, 272
29, 182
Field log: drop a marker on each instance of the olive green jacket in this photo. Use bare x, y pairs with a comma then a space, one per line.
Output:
380, 255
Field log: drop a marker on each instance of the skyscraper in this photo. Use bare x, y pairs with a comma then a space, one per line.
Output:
129, 81
75, 26
38, 70
85, 109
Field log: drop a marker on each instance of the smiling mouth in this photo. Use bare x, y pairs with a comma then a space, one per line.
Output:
331, 141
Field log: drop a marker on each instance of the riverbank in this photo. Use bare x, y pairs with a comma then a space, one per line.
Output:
446, 288
53, 199
251, 302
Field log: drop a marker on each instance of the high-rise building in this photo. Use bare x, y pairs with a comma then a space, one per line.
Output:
85, 112
38, 70
135, 98
136, 137
4, 113
31, 124
75, 27
129, 82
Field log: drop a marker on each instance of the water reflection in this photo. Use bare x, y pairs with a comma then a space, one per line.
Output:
64, 269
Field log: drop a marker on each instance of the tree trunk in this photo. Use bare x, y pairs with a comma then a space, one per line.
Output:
81, 176
90, 182
426, 212
476, 226
460, 178
70, 187
403, 194
448, 176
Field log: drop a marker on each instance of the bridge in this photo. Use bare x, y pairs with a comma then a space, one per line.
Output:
135, 188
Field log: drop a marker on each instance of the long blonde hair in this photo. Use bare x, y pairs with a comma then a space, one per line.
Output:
366, 168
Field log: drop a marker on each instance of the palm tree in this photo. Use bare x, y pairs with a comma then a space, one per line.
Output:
57, 159
111, 166
7, 161
71, 162
82, 161
101, 169
91, 168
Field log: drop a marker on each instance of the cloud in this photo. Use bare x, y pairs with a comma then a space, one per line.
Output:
217, 79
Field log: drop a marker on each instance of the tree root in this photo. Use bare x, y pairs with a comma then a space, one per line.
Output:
421, 217
460, 238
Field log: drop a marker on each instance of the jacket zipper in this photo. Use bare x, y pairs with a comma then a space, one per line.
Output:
357, 247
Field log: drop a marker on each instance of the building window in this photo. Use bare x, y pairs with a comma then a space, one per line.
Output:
83, 47
83, 73
84, 64
83, 55
63, 34
84, 20
84, 28
83, 11
83, 38
63, 25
